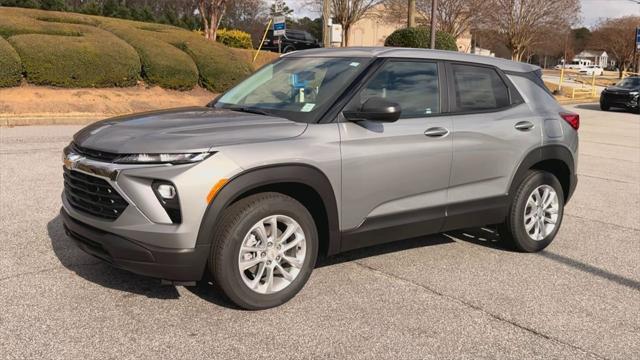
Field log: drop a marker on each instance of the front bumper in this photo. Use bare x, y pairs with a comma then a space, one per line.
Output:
165, 263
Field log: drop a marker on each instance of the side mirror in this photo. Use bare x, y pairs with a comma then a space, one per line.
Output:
375, 109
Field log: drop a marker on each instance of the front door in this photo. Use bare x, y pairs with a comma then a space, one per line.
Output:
395, 175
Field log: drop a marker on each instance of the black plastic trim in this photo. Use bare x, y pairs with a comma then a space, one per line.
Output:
393, 227
273, 175
130, 255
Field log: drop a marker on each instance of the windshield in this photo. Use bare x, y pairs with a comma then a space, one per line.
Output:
299, 89
631, 82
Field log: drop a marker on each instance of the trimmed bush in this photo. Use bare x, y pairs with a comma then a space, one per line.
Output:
420, 37
10, 68
76, 50
68, 55
163, 64
234, 38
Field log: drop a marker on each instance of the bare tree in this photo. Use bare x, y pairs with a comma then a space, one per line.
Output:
616, 37
348, 12
211, 12
520, 22
455, 17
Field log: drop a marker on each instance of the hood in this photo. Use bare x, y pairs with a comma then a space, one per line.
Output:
621, 90
193, 129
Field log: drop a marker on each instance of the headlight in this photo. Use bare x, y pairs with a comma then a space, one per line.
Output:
634, 93
162, 158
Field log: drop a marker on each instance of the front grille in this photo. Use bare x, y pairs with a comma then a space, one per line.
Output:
93, 154
618, 98
92, 195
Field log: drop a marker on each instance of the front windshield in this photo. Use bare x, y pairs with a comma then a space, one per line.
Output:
629, 83
297, 88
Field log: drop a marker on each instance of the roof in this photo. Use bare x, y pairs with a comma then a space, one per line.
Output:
591, 53
383, 52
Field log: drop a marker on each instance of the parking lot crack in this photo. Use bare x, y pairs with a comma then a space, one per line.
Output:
480, 309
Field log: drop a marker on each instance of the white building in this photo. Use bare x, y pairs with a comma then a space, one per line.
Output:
595, 57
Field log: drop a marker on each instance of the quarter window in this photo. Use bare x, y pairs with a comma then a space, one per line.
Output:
412, 84
478, 88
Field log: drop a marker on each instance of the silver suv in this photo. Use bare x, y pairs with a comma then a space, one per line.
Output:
321, 152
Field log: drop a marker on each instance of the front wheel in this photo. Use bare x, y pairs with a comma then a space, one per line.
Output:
604, 106
535, 213
264, 250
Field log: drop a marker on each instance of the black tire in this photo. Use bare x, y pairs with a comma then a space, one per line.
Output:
235, 223
513, 231
288, 49
604, 106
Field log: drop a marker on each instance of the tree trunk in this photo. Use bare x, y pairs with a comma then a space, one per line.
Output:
203, 14
345, 35
214, 25
411, 13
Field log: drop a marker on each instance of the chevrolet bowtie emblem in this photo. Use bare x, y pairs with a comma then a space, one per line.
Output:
71, 160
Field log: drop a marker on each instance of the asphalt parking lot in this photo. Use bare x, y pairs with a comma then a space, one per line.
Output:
454, 295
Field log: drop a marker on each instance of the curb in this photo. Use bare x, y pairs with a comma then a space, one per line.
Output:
57, 119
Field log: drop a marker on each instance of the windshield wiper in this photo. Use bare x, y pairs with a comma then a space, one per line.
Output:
248, 110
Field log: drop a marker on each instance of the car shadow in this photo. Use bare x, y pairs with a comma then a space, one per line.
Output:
99, 272
484, 236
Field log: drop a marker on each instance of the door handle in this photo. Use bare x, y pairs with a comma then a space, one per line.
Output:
436, 132
524, 126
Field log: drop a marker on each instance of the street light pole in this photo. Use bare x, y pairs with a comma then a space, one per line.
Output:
434, 12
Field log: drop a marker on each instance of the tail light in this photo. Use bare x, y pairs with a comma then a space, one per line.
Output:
572, 118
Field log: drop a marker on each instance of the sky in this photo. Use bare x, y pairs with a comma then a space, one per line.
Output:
592, 10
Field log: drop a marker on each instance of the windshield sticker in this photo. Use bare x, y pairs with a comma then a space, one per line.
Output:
308, 107
355, 64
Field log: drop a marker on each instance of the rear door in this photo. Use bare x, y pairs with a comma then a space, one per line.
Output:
395, 175
493, 130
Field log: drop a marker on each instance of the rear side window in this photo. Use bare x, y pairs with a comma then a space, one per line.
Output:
412, 84
478, 88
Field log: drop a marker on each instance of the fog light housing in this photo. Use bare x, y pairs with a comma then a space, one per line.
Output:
167, 195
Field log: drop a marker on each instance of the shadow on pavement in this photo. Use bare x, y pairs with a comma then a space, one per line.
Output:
98, 272
618, 279
480, 236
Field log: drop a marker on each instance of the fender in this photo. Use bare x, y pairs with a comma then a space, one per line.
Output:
271, 175
545, 152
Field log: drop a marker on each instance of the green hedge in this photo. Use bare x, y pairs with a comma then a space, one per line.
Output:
69, 55
76, 50
420, 37
234, 38
10, 67
162, 63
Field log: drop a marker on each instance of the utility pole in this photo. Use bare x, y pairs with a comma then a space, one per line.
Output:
434, 12
411, 14
326, 14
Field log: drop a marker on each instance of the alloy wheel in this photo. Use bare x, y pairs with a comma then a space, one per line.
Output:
541, 212
272, 254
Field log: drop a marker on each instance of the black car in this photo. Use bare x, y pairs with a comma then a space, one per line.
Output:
292, 40
625, 94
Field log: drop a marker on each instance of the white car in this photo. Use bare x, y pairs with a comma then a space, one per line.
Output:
591, 70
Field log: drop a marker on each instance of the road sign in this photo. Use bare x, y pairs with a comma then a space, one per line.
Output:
638, 38
279, 25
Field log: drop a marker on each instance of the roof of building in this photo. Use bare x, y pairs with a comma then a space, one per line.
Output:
592, 53
368, 52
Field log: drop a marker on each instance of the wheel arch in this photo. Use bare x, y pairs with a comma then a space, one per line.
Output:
305, 183
556, 159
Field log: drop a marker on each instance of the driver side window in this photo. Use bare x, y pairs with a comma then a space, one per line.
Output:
412, 84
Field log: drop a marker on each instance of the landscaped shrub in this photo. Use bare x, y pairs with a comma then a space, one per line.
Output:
420, 37
68, 55
163, 64
77, 50
234, 38
10, 68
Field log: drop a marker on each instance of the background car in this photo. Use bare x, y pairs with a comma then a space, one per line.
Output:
591, 70
292, 40
624, 94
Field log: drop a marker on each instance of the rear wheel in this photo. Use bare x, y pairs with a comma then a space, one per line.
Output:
264, 250
535, 213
